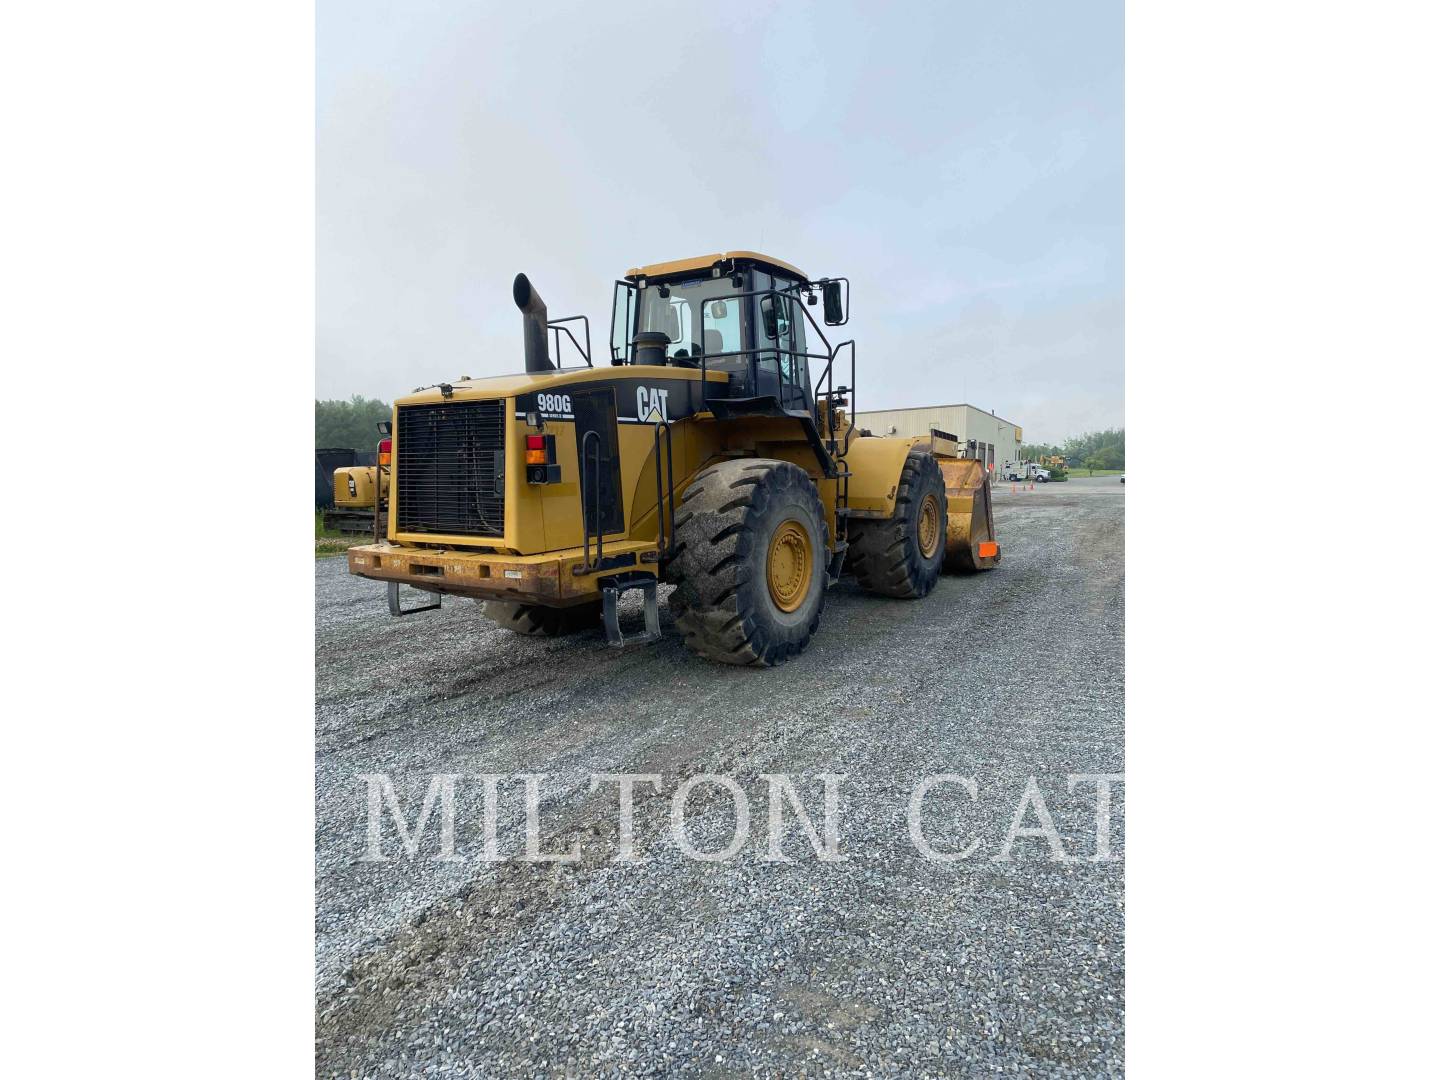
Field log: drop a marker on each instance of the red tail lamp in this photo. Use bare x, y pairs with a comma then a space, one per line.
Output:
540, 467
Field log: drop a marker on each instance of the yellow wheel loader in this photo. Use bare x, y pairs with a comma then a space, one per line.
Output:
356, 488
714, 451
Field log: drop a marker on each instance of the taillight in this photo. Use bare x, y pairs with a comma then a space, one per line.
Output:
540, 467
384, 456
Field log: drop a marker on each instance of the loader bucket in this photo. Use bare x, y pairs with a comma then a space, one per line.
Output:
970, 533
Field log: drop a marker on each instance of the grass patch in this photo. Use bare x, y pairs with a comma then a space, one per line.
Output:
326, 547
328, 542
1095, 472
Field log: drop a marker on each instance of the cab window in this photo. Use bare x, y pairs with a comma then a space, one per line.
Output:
722, 326
699, 316
622, 317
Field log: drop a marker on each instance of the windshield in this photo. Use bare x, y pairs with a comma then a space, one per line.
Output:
697, 316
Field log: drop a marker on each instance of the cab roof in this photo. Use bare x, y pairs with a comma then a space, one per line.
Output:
705, 262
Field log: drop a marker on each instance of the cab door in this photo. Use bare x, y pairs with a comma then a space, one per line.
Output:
790, 347
783, 373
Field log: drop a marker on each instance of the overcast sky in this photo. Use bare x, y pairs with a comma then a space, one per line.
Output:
961, 163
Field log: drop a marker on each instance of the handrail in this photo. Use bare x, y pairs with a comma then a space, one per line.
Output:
554, 324
379, 480
831, 393
666, 551
589, 567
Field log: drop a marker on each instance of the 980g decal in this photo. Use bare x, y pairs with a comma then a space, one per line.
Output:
636, 402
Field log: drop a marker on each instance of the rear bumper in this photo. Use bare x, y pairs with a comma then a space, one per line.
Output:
550, 579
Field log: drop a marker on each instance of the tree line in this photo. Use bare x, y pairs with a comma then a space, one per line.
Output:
1093, 450
341, 424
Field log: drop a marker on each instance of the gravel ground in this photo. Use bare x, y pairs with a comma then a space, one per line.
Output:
885, 963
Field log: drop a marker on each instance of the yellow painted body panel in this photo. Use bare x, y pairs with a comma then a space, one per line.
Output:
360, 478
544, 530
536, 558
546, 517
876, 464
509, 386
697, 441
704, 262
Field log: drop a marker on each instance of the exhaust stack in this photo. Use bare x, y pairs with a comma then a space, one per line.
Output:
537, 352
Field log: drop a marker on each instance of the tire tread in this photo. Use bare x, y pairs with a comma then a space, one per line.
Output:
715, 532
885, 555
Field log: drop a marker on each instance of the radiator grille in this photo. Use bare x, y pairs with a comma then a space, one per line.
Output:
450, 468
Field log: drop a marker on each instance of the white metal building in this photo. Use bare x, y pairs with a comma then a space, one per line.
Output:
982, 435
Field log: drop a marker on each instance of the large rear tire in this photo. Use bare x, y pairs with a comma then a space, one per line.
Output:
901, 557
751, 552
536, 619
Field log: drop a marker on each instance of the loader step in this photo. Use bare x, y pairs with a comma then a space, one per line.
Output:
392, 600
610, 592
837, 562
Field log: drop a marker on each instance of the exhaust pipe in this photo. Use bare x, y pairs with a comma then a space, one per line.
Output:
537, 351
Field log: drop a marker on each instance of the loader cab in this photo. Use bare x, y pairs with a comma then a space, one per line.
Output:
737, 313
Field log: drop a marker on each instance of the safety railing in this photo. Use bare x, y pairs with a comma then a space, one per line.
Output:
591, 488
558, 327
824, 388
381, 493
664, 541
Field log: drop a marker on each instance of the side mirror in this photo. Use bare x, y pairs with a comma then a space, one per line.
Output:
767, 313
834, 303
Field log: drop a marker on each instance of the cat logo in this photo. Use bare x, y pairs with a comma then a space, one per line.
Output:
651, 405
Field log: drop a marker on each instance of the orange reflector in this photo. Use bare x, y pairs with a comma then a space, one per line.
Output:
384, 459
535, 457
989, 549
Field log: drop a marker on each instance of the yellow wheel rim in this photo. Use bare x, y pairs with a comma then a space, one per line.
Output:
929, 526
788, 566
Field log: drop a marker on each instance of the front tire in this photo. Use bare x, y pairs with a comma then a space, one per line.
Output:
750, 562
536, 620
901, 557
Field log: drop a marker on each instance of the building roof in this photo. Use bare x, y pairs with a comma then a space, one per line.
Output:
704, 262
932, 408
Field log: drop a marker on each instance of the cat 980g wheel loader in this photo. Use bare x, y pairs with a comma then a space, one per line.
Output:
714, 452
